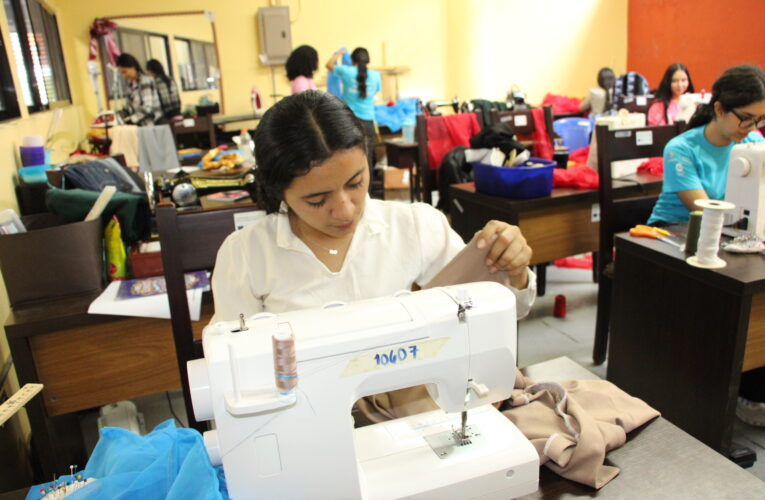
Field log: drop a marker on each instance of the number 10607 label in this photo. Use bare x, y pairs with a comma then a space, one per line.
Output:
394, 356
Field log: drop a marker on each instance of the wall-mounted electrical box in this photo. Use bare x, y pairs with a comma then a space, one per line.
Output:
275, 37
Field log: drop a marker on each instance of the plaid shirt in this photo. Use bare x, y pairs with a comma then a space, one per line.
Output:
168, 97
142, 106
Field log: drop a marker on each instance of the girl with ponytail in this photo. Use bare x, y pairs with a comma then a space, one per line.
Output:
360, 84
696, 161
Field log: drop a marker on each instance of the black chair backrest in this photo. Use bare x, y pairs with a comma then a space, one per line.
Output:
522, 122
190, 242
625, 144
634, 103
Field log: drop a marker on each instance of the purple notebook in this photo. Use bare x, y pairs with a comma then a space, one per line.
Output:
146, 287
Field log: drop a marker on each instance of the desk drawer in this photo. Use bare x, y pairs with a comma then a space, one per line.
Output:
95, 365
553, 233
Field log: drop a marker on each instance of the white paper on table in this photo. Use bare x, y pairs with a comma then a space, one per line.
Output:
155, 306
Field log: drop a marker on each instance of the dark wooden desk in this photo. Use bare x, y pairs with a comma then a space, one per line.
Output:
85, 361
555, 226
680, 336
404, 155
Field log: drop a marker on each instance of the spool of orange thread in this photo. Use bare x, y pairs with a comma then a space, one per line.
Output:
285, 362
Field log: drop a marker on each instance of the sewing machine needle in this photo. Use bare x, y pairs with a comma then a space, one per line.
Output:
464, 424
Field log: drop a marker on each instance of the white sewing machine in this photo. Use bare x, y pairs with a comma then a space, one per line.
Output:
746, 185
457, 340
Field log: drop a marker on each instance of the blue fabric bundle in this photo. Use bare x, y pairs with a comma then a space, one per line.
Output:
168, 463
334, 84
394, 116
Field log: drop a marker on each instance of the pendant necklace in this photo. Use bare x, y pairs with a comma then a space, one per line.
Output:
331, 251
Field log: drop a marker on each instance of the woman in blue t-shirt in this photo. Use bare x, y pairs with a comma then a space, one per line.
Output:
360, 84
696, 168
696, 161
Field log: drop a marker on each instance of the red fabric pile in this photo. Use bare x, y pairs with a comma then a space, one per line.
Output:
447, 132
653, 166
579, 156
583, 262
562, 104
542, 147
578, 176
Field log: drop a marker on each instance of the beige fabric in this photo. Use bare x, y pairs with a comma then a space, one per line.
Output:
573, 424
125, 141
393, 404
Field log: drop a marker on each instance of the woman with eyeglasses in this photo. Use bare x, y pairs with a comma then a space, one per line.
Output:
696, 168
696, 161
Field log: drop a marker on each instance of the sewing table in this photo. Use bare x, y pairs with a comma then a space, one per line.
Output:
556, 226
680, 336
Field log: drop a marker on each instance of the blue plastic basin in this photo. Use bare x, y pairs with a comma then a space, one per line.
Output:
515, 182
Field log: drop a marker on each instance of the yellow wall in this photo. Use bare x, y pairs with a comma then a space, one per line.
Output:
467, 48
554, 46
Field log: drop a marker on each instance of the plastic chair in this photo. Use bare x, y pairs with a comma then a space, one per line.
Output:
575, 132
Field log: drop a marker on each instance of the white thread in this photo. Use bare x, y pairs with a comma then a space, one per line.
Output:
709, 235
548, 443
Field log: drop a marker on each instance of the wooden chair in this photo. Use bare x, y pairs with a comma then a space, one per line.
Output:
190, 242
620, 214
194, 132
425, 177
522, 123
635, 103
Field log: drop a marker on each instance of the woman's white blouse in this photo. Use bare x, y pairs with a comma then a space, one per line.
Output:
265, 267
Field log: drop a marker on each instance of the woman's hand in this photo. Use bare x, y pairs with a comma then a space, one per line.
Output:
333, 60
508, 251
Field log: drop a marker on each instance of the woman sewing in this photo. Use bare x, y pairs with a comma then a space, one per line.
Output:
696, 168
325, 240
696, 161
675, 82
142, 106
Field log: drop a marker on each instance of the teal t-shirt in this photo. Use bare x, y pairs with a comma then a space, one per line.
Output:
363, 108
692, 162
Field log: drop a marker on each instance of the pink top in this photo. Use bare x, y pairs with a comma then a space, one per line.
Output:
302, 83
656, 113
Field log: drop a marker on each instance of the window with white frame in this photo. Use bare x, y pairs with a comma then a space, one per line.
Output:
197, 64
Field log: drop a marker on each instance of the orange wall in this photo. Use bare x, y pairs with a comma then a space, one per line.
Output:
708, 36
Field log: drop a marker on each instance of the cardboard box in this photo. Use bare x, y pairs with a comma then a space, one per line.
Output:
146, 264
52, 259
396, 178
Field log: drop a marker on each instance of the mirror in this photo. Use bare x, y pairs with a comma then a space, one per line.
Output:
185, 44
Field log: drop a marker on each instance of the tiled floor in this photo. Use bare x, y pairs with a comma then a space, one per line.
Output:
541, 337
